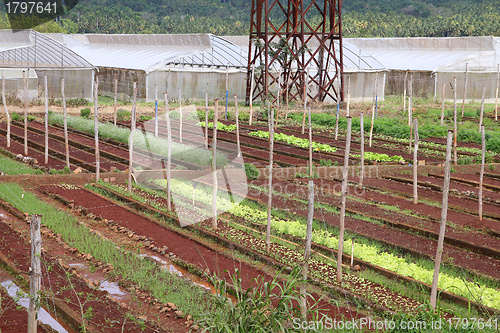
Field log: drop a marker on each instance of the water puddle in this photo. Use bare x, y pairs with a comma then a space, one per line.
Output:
112, 288
22, 299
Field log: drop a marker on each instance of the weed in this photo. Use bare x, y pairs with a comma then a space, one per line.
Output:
85, 113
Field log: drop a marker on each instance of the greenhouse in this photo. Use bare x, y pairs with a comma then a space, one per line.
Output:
38, 55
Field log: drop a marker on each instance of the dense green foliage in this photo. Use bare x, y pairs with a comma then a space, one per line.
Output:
382, 18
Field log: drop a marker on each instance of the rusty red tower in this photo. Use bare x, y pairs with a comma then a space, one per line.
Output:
295, 49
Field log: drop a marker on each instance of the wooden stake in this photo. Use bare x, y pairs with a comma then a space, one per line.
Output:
65, 116
156, 110
311, 166
306, 79
337, 122
481, 114
376, 95
371, 127
415, 162
131, 140
25, 81
496, 92
96, 130
206, 119
455, 129
362, 138
35, 273
46, 120
352, 252
4, 101
227, 90
180, 116
349, 96
169, 152
343, 194
214, 166
278, 103
270, 179
442, 228
116, 95
404, 92
410, 101
442, 104
237, 125
307, 250
481, 174
465, 89
251, 95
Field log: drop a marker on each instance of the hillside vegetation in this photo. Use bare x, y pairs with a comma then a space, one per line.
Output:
361, 18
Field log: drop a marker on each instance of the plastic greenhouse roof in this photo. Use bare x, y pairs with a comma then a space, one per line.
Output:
153, 52
28, 48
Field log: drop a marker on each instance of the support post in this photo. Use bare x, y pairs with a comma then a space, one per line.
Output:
343, 195
156, 110
251, 95
481, 174
25, 82
337, 122
465, 88
169, 152
455, 129
96, 131
35, 273
362, 138
481, 113
237, 125
65, 116
115, 104
415, 162
404, 92
442, 104
4, 101
214, 166
306, 79
410, 101
442, 228
270, 179
311, 166
180, 115
348, 105
46, 120
227, 90
496, 92
371, 128
307, 251
131, 140
206, 120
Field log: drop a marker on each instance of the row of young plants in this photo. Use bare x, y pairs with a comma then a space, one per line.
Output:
143, 140
489, 296
220, 126
293, 140
145, 274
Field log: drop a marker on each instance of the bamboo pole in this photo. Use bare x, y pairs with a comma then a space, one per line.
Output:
227, 90
442, 228
352, 252
371, 128
337, 121
4, 101
348, 96
46, 120
180, 116
278, 103
237, 125
481, 113
404, 92
481, 174
306, 79
251, 95
169, 152
455, 129
362, 138
376, 95
206, 119
96, 130
307, 250
311, 166
214, 166
65, 116
442, 104
270, 179
131, 140
343, 194
25, 82
35, 273
415, 162
156, 110
465, 88
496, 92
410, 101
115, 104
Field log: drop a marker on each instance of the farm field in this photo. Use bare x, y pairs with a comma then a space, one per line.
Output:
120, 257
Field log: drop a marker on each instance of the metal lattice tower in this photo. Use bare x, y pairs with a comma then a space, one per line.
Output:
292, 43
